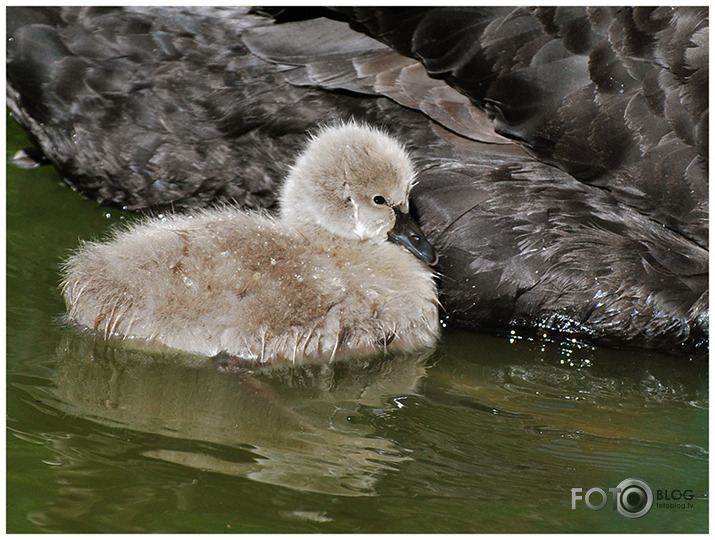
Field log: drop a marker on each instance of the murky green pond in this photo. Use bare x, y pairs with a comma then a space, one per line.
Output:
488, 434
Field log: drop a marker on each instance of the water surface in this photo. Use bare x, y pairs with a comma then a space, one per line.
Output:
487, 434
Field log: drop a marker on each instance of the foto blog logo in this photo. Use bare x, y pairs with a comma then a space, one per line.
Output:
632, 498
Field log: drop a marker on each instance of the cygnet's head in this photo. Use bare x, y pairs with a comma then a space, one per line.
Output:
354, 181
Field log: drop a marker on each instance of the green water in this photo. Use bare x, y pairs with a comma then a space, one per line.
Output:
488, 434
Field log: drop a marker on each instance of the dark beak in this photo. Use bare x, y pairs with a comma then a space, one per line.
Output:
407, 233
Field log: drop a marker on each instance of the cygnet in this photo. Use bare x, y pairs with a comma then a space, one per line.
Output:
341, 272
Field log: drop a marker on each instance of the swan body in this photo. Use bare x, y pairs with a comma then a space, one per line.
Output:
320, 282
560, 153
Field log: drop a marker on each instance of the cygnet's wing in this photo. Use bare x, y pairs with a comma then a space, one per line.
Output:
617, 97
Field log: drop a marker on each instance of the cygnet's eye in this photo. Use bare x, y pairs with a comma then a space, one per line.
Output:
379, 199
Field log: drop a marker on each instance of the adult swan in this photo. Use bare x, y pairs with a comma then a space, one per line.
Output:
561, 152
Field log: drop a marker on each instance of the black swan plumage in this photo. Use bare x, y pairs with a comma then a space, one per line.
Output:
584, 214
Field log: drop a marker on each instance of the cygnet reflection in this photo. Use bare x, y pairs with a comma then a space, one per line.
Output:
294, 426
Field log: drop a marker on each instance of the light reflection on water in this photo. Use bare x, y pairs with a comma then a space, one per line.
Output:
486, 434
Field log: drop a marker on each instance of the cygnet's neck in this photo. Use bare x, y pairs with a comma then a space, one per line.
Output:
303, 205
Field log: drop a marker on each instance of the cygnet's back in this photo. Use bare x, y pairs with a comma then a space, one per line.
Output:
322, 282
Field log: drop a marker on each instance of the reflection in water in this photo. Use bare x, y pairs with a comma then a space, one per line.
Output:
571, 386
587, 413
292, 425
482, 428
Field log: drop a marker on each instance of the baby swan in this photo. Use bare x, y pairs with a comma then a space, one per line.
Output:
326, 280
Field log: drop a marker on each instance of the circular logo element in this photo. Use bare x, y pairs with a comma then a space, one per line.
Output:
634, 498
